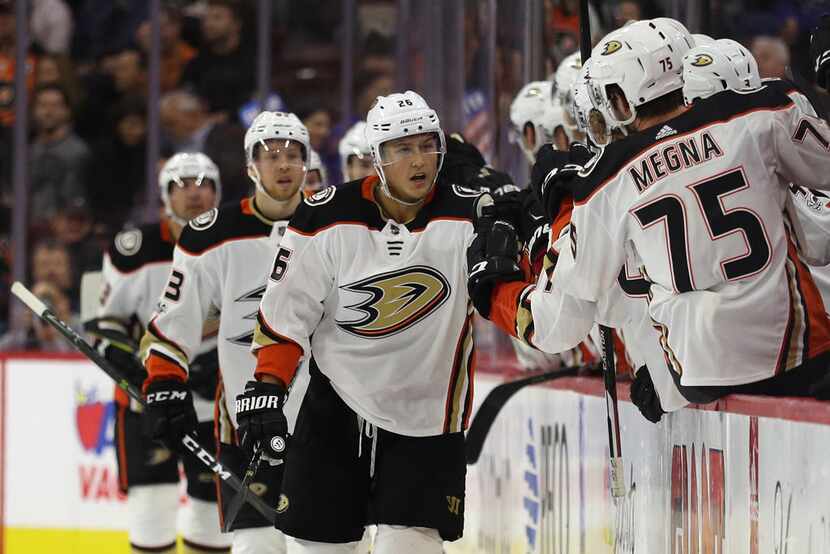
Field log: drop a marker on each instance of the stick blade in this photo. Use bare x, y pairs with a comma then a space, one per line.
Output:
25, 295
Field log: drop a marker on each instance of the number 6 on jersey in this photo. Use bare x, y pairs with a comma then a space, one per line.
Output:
280, 264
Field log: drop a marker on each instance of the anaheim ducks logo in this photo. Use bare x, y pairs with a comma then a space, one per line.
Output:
610, 47
396, 301
702, 60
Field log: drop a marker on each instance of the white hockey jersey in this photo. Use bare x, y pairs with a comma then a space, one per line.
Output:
702, 211
220, 267
134, 273
381, 308
812, 207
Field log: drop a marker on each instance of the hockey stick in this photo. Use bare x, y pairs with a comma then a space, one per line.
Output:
238, 500
495, 401
189, 441
606, 338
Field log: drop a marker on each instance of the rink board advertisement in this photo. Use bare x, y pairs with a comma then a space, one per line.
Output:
700, 482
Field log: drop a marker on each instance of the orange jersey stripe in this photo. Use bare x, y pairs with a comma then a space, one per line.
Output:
279, 361
161, 367
817, 339
504, 305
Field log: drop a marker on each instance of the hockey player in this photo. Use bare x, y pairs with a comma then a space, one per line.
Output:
369, 285
355, 154
563, 79
316, 179
695, 198
221, 265
135, 271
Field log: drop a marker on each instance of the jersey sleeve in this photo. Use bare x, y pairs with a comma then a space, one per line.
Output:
585, 268
802, 147
175, 332
292, 306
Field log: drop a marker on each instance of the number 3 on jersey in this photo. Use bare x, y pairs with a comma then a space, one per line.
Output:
280, 264
174, 287
720, 223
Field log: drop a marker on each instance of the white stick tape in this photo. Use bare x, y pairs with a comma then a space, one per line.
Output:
26, 296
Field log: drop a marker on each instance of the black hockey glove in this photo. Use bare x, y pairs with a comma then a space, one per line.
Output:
169, 413
820, 50
118, 343
204, 375
124, 360
260, 418
491, 258
552, 175
645, 397
464, 165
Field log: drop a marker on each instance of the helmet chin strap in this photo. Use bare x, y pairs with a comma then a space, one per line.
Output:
259, 186
385, 188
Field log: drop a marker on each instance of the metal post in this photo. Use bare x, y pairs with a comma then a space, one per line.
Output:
527, 40
153, 128
347, 61
263, 51
19, 171
434, 58
402, 77
454, 51
537, 40
488, 82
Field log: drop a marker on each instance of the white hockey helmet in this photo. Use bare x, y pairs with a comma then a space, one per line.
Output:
644, 59
701, 39
531, 106
353, 143
563, 80
187, 165
274, 125
592, 120
315, 164
555, 119
401, 115
722, 65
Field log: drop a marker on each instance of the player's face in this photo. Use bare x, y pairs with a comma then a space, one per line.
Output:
313, 182
191, 200
410, 165
359, 168
281, 168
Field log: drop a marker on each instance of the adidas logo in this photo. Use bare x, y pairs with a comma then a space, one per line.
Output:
666, 131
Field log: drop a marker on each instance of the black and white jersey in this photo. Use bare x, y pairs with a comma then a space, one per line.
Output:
698, 204
220, 268
380, 307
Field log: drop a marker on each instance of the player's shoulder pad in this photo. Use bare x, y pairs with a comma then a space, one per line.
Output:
719, 108
132, 249
454, 201
234, 220
341, 204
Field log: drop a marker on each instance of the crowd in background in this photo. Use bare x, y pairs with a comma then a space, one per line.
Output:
87, 73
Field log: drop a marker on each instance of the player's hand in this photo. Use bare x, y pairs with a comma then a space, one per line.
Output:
553, 173
125, 360
169, 413
492, 258
204, 374
645, 397
260, 418
820, 50
464, 165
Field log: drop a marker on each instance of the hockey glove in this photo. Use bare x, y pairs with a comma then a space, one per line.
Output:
260, 418
124, 360
820, 50
169, 413
492, 258
204, 375
464, 165
645, 397
553, 173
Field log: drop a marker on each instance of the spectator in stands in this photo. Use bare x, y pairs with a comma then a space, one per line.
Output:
50, 23
175, 53
118, 165
73, 226
57, 69
224, 70
772, 56
58, 157
188, 127
626, 10
36, 335
129, 72
52, 263
318, 121
7, 64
